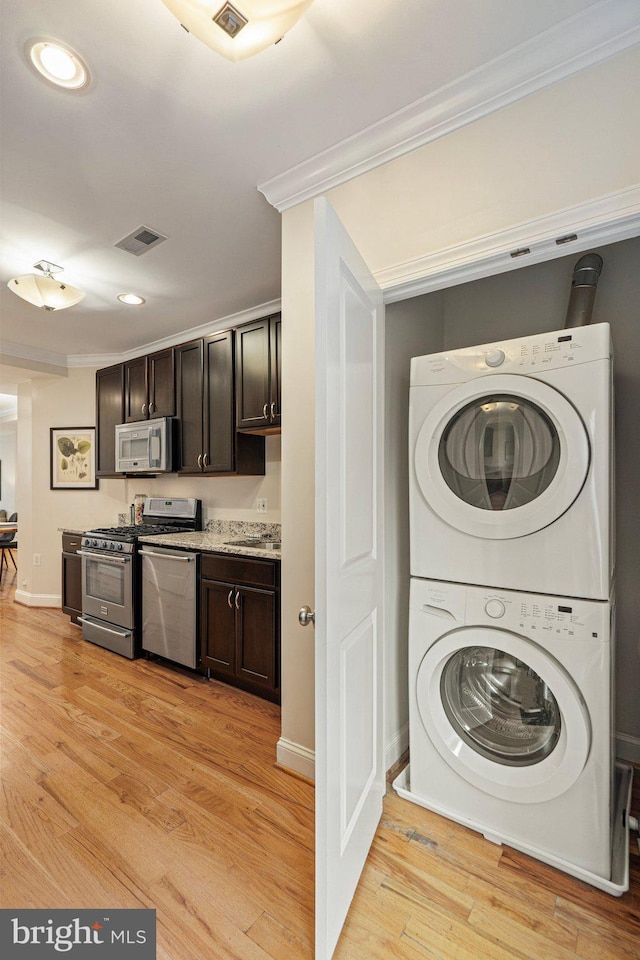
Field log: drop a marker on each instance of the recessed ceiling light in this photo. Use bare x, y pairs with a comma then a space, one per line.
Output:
58, 63
131, 298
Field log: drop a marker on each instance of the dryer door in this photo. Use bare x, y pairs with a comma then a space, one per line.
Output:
504, 714
502, 456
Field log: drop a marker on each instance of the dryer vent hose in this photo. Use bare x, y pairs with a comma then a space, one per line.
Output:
583, 290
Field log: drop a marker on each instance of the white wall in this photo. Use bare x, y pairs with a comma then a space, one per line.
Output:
567, 145
70, 401
295, 749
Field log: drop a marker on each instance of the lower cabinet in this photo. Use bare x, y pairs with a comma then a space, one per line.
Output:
239, 610
71, 576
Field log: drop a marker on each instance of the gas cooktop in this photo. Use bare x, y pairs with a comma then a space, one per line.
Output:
131, 534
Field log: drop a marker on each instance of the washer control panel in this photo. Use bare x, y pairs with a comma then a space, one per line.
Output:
542, 618
547, 618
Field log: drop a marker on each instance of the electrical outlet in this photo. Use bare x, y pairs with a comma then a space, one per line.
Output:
36, 559
261, 504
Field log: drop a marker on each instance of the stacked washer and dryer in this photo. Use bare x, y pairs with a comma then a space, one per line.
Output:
511, 627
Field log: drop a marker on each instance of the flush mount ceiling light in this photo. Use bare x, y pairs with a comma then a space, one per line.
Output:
57, 63
241, 29
131, 298
43, 290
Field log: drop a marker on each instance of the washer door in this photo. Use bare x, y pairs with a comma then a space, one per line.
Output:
502, 456
504, 714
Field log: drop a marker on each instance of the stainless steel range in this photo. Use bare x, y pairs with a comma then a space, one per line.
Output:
110, 573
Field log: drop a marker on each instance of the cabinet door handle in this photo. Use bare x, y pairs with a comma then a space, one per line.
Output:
152, 407
273, 410
229, 599
205, 460
265, 412
144, 409
199, 461
237, 599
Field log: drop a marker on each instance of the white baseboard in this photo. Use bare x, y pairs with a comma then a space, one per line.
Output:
627, 748
38, 599
296, 757
396, 746
302, 760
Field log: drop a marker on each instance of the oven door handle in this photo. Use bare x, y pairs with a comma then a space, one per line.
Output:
168, 556
110, 558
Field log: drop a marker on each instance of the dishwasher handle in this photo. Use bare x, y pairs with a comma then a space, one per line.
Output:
187, 558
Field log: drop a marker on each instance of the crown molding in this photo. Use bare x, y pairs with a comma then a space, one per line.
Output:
607, 219
33, 358
577, 43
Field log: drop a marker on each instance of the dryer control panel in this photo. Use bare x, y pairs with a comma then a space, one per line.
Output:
525, 355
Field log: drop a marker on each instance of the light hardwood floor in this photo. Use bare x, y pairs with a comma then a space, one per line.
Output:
128, 784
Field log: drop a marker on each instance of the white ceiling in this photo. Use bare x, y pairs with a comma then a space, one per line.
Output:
171, 136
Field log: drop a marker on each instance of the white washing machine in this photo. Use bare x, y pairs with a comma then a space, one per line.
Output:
510, 720
511, 464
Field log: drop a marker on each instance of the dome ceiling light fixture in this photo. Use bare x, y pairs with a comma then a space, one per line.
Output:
58, 63
241, 29
43, 290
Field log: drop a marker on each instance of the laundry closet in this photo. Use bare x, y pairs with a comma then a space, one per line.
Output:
519, 303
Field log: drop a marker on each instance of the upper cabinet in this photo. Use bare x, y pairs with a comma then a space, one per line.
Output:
149, 386
205, 393
109, 412
258, 375
224, 391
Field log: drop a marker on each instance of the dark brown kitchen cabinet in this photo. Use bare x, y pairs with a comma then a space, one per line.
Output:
149, 386
259, 374
109, 412
71, 576
205, 394
240, 622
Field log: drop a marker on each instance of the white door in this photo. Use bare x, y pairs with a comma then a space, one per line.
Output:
350, 775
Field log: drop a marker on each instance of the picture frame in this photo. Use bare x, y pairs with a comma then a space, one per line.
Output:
72, 453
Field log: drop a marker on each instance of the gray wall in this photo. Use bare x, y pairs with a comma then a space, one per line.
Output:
534, 300
412, 328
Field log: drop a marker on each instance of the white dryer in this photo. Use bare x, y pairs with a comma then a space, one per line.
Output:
511, 464
510, 720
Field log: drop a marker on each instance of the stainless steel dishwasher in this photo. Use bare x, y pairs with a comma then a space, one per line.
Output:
169, 604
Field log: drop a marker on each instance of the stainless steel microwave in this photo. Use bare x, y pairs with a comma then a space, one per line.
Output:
144, 447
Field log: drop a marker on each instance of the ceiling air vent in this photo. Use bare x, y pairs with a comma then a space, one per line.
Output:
140, 241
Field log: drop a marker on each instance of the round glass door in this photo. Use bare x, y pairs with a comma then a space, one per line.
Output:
500, 706
499, 452
503, 713
501, 456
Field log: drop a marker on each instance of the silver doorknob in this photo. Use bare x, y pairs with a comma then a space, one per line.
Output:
306, 616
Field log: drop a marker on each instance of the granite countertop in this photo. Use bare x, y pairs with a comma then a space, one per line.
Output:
215, 538
72, 530
209, 541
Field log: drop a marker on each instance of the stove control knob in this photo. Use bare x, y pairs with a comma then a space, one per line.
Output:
102, 544
494, 358
117, 546
494, 609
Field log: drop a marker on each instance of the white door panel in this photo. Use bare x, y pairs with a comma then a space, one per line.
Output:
350, 772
